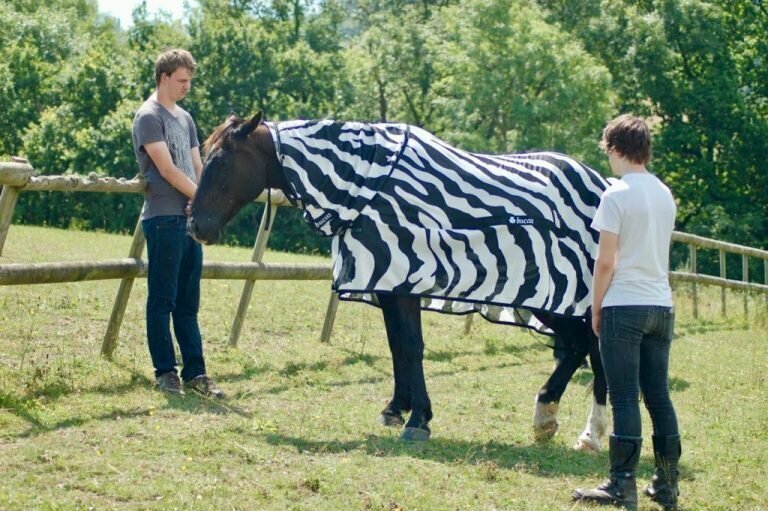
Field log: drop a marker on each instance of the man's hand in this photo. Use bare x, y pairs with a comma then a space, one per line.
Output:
161, 157
188, 208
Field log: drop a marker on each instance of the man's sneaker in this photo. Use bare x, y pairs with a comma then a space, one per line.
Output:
205, 386
170, 383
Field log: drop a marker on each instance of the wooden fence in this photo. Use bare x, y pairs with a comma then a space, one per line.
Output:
17, 176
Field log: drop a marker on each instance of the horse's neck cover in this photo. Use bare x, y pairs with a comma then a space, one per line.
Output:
501, 235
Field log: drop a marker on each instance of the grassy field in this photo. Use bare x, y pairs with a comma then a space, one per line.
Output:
298, 431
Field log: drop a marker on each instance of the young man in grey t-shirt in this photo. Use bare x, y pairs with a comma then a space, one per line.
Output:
167, 150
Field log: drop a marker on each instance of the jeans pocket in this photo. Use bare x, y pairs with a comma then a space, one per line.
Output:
168, 222
624, 325
668, 325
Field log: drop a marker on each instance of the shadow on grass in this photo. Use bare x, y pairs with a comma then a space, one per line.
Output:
436, 356
486, 347
702, 326
28, 408
385, 376
678, 384
356, 358
584, 378
248, 372
292, 369
190, 403
546, 460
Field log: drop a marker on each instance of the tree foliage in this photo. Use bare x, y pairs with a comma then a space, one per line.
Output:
698, 70
487, 75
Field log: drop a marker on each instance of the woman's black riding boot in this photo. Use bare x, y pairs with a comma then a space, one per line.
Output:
621, 489
663, 488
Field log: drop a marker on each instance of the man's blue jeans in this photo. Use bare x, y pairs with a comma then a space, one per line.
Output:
175, 265
634, 347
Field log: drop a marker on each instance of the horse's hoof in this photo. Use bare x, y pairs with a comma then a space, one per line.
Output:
545, 421
393, 421
597, 425
545, 432
415, 435
587, 444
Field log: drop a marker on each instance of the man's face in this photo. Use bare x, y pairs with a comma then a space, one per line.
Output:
178, 83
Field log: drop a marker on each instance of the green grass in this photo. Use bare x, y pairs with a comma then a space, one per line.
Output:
298, 431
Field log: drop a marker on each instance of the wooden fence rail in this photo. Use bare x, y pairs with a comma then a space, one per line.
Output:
694, 277
77, 271
17, 176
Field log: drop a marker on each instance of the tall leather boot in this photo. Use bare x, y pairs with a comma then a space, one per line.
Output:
620, 489
663, 488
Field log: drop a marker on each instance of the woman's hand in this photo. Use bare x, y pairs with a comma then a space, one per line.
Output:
596, 315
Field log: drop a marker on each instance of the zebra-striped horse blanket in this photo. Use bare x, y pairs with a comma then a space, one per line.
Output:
411, 215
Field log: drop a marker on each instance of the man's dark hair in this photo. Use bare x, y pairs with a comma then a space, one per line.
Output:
171, 60
629, 136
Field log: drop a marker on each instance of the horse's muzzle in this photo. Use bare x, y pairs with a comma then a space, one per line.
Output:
206, 232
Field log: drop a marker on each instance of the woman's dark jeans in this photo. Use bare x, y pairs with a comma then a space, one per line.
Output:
173, 281
634, 347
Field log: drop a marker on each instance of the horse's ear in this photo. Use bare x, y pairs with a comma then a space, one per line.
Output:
250, 125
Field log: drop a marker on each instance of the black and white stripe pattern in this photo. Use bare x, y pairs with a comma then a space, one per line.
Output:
500, 235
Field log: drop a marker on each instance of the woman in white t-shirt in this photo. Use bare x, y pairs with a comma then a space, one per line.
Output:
632, 313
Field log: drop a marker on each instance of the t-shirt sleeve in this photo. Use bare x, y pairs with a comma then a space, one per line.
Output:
148, 128
193, 140
608, 216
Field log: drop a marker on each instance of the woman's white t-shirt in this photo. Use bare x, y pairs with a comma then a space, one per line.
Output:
641, 211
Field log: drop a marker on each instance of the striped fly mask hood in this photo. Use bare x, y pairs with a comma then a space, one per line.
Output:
335, 169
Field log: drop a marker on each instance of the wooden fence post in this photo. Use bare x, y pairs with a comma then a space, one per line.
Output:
723, 275
692, 256
121, 300
765, 281
259, 247
745, 278
16, 173
330, 317
468, 324
7, 205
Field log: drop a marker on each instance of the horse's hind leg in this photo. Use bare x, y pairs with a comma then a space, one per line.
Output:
402, 318
597, 422
572, 336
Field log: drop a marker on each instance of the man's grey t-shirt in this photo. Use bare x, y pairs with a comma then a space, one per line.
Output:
154, 123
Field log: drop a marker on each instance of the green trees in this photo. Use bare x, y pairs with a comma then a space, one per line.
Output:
515, 82
487, 75
67, 81
34, 41
698, 70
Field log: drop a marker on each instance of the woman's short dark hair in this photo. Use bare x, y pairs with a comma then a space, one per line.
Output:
630, 137
169, 61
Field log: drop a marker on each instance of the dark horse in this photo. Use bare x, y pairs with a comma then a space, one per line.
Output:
243, 159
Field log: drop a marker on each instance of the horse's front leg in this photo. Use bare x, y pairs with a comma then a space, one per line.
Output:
402, 318
392, 414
